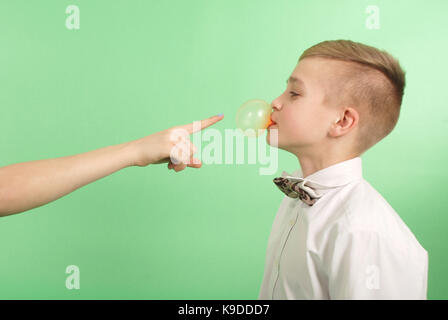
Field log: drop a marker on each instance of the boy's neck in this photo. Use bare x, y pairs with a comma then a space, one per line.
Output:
312, 164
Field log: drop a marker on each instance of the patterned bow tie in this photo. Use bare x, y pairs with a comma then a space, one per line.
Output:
296, 188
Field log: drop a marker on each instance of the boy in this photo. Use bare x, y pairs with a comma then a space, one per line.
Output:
334, 236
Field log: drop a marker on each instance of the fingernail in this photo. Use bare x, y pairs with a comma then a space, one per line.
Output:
220, 114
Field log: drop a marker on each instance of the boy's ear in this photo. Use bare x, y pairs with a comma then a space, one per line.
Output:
345, 122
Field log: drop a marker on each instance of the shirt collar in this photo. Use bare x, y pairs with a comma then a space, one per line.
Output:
334, 176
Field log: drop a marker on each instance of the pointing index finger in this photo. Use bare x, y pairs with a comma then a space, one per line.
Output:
191, 128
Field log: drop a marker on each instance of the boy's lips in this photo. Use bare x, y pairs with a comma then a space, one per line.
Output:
271, 122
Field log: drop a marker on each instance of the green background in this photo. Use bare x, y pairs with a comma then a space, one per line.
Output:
137, 67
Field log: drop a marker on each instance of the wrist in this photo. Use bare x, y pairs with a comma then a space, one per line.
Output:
130, 153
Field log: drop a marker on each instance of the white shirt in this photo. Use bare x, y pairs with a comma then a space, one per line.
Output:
351, 244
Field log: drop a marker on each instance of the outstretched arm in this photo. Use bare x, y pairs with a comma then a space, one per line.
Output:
28, 185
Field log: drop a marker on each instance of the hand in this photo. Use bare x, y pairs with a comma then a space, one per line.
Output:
158, 147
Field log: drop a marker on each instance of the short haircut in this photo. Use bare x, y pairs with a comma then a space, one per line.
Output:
373, 84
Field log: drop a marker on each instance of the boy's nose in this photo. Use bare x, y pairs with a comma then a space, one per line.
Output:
276, 104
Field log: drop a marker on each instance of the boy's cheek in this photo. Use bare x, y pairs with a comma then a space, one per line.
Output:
292, 129
295, 134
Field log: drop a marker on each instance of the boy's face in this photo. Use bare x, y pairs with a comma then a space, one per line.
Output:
303, 113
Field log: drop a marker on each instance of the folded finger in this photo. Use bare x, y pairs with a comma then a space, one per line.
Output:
195, 163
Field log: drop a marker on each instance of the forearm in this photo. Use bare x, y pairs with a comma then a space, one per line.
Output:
27, 185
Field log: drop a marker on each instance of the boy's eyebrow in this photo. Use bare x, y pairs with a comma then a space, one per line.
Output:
295, 80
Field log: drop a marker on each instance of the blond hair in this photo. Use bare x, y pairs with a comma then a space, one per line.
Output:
373, 85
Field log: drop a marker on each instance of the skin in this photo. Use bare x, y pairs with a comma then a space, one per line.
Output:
28, 185
311, 122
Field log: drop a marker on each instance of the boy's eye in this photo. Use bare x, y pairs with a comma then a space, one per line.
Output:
293, 94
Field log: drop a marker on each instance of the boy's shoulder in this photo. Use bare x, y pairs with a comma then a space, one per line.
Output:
364, 209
